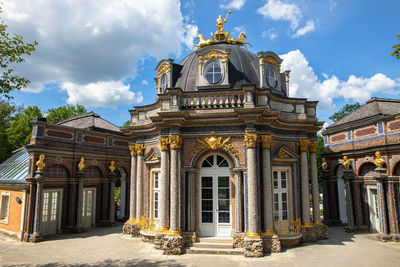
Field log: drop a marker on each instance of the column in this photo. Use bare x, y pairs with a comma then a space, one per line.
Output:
239, 201
267, 185
80, 192
305, 193
112, 198
123, 197
251, 143
132, 196
38, 207
175, 143
314, 182
164, 184
192, 201
139, 180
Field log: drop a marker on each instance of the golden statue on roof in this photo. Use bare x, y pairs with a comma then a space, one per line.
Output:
221, 36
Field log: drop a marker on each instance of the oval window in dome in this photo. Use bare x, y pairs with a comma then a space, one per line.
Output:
213, 72
271, 77
164, 82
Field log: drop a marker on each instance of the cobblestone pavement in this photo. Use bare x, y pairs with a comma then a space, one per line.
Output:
108, 247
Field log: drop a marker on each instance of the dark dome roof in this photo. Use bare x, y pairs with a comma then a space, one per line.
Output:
242, 68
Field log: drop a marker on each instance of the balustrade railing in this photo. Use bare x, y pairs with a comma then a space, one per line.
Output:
149, 226
212, 102
287, 228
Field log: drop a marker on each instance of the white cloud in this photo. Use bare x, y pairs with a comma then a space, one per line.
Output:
276, 10
332, 5
96, 41
309, 27
103, 94
234, 4
271, 34
145, 82
239, 29
305, 83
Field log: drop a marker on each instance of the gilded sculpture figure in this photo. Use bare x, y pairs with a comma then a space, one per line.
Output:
346, 162
221, 21
112, 166
378, 160
40, 163
324, 164
81, 164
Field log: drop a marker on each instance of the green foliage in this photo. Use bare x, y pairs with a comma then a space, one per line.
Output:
117, 194
396, 49
20, 130
56, 115
344, 111
126, 124
6, 112
12, 50
318, 154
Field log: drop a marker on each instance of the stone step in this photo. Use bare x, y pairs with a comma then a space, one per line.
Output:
213, 245
220, 251
215, 240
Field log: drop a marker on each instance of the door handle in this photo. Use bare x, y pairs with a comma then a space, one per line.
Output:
216, 210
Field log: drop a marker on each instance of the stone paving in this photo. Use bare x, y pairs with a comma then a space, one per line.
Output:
108, 247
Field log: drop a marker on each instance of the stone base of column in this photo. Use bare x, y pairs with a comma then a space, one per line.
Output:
308, 234
321, 231
385, 238
34, 238
271, 244
148, 238
107, 223
173, 245
159, 240
253, 247
132, 229
189, 238
238, 239
26, 237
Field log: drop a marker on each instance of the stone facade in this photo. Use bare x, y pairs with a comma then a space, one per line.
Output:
364, 197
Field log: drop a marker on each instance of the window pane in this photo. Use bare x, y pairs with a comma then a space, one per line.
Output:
223, 217
206, 194
213, 72
223, 205
223, 181
207, 205
221, 162
206, 217
223, 193
206, 181
275, 180
283, 179
284, 196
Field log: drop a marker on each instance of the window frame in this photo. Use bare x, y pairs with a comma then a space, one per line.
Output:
156, 191
267, 69
213, 73
3, 195
279, 191
163, 82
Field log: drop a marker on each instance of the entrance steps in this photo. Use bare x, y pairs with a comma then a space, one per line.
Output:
208, 245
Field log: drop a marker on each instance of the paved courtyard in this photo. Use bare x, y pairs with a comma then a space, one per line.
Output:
107, 247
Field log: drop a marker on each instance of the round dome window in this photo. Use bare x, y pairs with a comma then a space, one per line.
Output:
164, 82
213, 72
271, 77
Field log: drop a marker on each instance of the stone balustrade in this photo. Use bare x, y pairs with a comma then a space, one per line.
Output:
212, 102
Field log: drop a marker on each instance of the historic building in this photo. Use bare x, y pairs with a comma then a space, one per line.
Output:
224, 153
361, 179
63, 181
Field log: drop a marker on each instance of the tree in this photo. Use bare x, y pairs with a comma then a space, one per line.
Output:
20, 130
396, 49
6, 112
344, 111
55, 115
126, 124
12, 50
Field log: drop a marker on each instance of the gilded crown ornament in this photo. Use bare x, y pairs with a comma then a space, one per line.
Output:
250, 140
40, 163
222, 36
81, 164
378, 160
112, 166
213, 143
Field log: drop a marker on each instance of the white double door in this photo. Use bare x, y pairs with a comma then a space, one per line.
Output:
88, 207
215, 204
51, 211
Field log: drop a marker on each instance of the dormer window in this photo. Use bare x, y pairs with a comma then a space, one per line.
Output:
164, 82
213, 72
271, 76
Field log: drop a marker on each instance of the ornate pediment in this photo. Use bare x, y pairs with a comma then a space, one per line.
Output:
213, 143
284, 152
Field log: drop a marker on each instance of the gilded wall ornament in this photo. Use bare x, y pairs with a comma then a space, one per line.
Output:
139, 149
379, 161
112, 166
266, 141
250, 140
164, 143
133, 150
213, 143
81, 164
271, 61
303, 145
324, 164
40, 163
175, 141
282, 153
153, 157
313, 146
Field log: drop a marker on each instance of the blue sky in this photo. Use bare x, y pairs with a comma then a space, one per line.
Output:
102, 54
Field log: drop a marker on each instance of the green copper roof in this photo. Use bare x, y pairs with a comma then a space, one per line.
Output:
15, 168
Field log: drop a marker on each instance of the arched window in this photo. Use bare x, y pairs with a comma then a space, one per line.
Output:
92, 172
56, 171
396, 169
271, 77
164, 82
213, 72
367, 169
215, 161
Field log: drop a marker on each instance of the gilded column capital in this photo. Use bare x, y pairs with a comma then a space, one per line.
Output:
164, 143
266, 141
139, 149
304, 145
133, 150
250, 139
175, 141
313, 146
